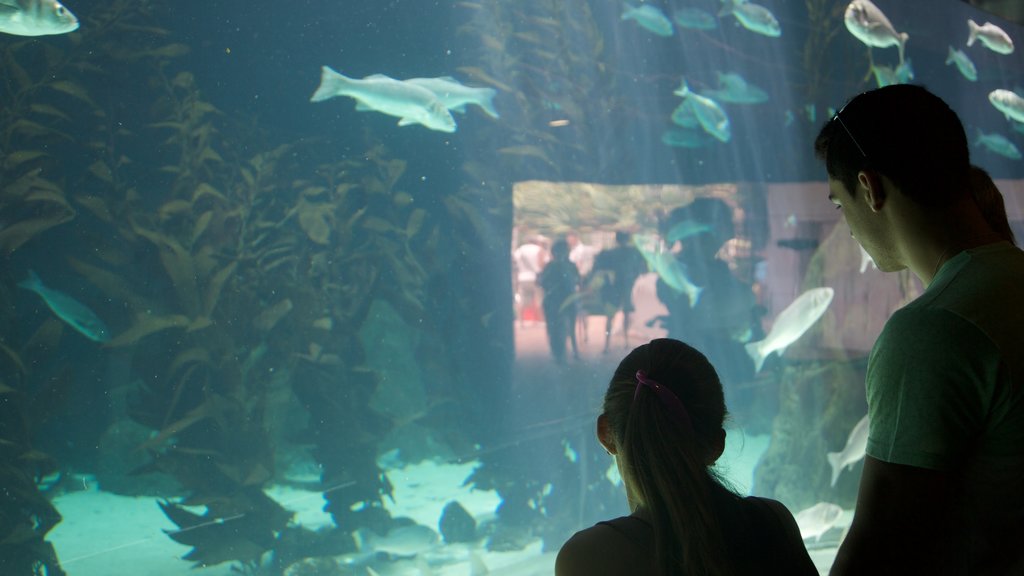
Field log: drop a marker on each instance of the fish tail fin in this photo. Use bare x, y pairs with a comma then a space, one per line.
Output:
949, 58
903, 36
756, 352
695, 296
477, 566
332, 83
32, 282
683, 90
972, 34
837, 466
487, 103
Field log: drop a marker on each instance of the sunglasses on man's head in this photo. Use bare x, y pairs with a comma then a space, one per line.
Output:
839, 117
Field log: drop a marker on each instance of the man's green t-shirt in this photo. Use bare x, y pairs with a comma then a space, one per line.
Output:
945, 388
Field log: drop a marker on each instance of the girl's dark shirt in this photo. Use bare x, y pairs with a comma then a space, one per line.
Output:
761, 537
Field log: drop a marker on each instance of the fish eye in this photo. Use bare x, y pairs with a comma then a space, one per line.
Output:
61, 10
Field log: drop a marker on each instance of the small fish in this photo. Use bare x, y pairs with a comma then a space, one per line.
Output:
869, 25
36, 18
695, 19
992, 36
402, 541
866, 259
791, 324
455, 95
998, 144
887, 76
817, 519
412, 104
685, 138
709, 114
788, 118
686, 229
670, 270
1009, 103
963, 64
650, 18
734, 89
753, 17
812, 113
790, 222
71, 311
853, 452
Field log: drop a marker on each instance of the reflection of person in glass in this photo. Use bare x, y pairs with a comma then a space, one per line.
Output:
615, 271
721, 319
560, 279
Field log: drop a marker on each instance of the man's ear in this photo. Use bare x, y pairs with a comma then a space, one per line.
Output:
604, 435
875, 193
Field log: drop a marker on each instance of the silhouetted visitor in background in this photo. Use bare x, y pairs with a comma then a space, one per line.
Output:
560, 281
615, 271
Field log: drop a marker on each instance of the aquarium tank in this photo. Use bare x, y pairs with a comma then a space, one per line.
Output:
272, 293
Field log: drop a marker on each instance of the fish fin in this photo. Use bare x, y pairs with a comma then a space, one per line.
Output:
837, 466
363, 106
331, 84
756, 354
461, 109
487, 102
695, 297
32, 282
903, 37
972, 35
683, 90
406, 122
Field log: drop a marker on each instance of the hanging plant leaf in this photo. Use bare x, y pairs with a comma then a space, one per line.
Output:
146, 325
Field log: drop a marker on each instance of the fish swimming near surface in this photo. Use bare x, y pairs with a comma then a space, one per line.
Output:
71, 311
695, 19
671, 271
709, 114
454, 95
993, 37
853, 452
817, 519
791, 324
734, 89
1009, 103
963, 64
869, 25
402, 541
650, 18
412, 104
36, 18
998, 144
753, 17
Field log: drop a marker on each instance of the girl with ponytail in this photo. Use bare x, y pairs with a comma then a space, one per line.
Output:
662, 421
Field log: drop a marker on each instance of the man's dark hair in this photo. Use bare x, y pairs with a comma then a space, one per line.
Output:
904, 132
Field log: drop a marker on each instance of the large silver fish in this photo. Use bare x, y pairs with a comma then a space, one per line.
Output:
817, 519
853, 452
753, 17
869, 25
413, 104
735, 89
35, 18
1009, 103
791, 324
709, 114
71, 311
993, 37
454, 95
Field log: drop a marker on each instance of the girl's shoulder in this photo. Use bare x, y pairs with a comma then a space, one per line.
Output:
616, 546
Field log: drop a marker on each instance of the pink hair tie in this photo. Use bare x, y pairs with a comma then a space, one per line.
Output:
667, 397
